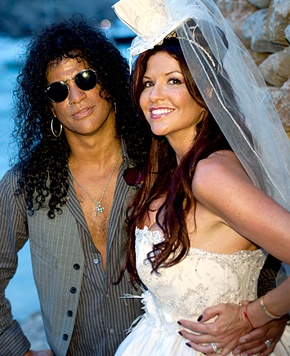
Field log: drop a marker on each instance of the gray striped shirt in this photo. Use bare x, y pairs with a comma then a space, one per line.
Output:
101, 334
101, 318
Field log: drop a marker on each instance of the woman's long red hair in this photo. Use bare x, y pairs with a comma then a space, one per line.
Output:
164, 178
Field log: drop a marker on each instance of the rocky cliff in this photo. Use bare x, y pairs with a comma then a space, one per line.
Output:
264, 27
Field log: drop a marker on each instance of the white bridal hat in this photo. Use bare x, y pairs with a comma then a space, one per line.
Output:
151, 20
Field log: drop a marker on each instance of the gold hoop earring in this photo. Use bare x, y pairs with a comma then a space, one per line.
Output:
52, 129
69, 103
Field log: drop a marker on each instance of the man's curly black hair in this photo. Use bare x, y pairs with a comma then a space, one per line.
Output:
43, 158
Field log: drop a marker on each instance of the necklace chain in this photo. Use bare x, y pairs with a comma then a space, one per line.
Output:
99, 208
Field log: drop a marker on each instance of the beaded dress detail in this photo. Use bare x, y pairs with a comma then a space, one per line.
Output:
184, 290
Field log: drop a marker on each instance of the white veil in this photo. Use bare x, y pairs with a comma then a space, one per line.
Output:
227, 78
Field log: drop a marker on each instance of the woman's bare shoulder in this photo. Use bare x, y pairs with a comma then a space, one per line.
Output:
220, 163
218, 171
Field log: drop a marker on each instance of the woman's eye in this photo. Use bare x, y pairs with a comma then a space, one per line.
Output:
174, 81
147, 84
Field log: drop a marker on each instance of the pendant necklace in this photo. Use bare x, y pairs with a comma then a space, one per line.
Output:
99, 208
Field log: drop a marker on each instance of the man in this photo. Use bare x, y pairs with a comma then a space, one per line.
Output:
77, 135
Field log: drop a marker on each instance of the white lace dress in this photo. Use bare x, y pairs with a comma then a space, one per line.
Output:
183, 291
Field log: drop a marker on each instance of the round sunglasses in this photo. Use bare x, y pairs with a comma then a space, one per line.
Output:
58, 91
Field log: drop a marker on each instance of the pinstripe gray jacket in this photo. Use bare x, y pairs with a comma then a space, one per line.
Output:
58, 262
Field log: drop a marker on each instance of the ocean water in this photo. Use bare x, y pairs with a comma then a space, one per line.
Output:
21, 290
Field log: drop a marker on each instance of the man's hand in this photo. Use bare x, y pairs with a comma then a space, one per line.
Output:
254, 342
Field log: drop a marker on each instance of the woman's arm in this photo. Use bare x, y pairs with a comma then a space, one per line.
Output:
222, 186
273, 305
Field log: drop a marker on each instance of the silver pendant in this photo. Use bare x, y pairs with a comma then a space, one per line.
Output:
99, 209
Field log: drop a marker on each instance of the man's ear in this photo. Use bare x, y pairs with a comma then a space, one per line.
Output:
53, 111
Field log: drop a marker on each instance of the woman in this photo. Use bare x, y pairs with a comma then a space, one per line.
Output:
196, 225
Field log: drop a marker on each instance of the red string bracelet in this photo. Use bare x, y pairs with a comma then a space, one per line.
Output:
247, 317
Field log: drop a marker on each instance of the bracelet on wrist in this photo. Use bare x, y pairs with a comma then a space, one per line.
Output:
245, 312
266, 310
